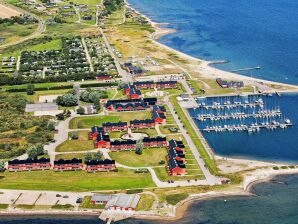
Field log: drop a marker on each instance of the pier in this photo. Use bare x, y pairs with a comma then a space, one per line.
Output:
229, 105
249, 128
239, 115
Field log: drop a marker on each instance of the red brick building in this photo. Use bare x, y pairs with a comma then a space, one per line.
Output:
29, 164
68, 165
100, 165
123, 145
144, 85
114, 126
102, 141
154, 142
176, 158
166, 85
159, 118
140, 124
95, 130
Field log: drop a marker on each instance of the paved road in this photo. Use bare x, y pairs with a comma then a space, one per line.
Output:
155, 179
211, 179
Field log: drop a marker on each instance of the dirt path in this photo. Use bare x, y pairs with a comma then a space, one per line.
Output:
41, 27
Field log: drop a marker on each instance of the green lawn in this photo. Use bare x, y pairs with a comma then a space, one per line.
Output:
89, 121
75, 145
145, 202
3, 206
118, 134
164, 129
149, 131
75, 181
55, 44
70, 156
173, 199
150, 157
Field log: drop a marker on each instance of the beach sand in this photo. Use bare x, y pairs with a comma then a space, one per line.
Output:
7, 12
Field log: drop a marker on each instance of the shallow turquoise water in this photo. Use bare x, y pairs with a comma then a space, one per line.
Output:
248, 33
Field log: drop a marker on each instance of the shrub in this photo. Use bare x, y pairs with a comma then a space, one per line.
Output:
173, 199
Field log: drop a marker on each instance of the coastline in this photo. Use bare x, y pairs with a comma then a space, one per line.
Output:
206, 70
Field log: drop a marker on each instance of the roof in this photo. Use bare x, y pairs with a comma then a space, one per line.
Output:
155, 115
156, 139
100, 162
133, 90
124, 201
173, 163
41, 107
146, 121
174, 153
71, 161
103, 197
101, 136
144, 83
96, 129
174, 144
124, 142
159, 108
166, 82
113, 124
28, 161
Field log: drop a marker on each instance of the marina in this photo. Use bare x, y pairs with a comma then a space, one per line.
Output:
249, 131
249, 113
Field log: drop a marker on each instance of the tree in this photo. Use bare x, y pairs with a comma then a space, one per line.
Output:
67, 100
97, 155
30, 89
51, 126
39, 150
81, 110
60, 116
88, 156
2, 166
32, 153
139, 147
74, 135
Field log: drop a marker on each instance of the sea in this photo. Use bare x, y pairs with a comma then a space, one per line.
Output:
247, 33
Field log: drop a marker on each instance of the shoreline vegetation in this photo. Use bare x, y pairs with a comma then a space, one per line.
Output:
256, 176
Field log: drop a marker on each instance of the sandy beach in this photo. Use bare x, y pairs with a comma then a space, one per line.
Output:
7, 12
205, 68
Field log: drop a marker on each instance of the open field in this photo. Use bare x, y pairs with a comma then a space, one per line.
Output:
150, 157
74, 181
7, 12
88, 122
70, 156
75, 145
145, 203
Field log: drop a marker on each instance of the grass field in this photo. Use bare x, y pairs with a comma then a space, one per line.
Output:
173, 199
70, 156
75, 145
88, 122
74, 181
150, 157
145, 202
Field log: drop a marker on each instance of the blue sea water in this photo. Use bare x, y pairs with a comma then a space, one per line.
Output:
248, 33
276, 202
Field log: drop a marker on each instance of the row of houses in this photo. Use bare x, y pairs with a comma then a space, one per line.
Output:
61, 165
159, 85
134, 91
159, 114
102, 140
232, 84
130, 104
176, 158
